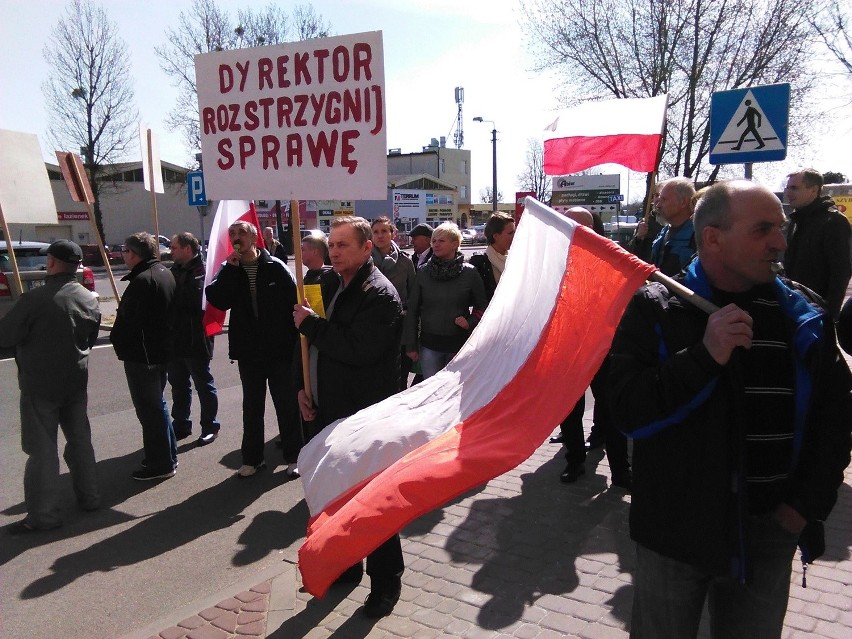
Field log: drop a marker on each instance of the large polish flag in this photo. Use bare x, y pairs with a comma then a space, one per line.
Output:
218, 250
626, 132
540, 342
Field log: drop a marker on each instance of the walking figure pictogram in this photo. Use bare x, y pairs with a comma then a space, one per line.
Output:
751, 114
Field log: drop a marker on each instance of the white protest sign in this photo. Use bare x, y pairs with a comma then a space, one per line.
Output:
297, 120
25, 193
155, 157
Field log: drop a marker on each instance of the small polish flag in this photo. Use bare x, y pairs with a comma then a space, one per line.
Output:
218, 250
626, 132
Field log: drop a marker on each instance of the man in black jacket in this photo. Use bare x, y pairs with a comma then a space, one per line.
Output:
817, 240
354, 363
193, 348
741, 423
260, 291
142, 337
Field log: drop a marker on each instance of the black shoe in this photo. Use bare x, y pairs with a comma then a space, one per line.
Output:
557, 439
24, 528
351, 575
571, 473
622, 480
181, 434
146, 474
381, 601
207, 438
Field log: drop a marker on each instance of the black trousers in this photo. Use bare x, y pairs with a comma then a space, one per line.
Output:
572, 427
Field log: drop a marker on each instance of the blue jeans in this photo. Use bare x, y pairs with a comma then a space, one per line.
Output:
669, 595
147, 383
40, 420
180, 371
433, 361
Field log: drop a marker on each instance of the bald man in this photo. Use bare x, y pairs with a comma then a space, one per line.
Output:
603, 431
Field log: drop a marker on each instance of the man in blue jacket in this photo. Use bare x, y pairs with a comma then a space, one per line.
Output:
741, 426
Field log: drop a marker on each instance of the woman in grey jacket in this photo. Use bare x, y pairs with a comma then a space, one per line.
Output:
445, 304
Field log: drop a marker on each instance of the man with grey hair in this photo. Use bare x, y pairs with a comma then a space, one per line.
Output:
53, 329
817, 240
738, 451
142, 338
674, 247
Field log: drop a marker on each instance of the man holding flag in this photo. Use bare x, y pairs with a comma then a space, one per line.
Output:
354, 354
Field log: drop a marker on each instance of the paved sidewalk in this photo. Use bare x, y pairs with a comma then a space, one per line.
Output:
524, 556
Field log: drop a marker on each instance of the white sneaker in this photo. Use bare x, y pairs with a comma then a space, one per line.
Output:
292, 470
248, 471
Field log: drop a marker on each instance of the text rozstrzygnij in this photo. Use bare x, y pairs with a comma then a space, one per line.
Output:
302, 117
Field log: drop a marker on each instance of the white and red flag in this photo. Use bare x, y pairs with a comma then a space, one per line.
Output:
543, 337
218, 250
626, 132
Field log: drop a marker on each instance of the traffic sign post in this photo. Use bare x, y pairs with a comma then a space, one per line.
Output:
749, 125
195, 188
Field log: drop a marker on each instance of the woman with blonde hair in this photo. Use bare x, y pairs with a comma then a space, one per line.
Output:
445, 304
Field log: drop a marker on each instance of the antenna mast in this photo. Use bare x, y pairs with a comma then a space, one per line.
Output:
458, 136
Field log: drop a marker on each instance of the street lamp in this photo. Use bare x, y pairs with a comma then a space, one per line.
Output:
493, 161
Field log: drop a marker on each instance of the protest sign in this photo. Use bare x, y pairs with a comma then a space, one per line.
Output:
303, 119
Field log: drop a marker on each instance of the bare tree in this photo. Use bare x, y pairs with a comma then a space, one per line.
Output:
486, 198
686, 48
533, 178
832, 25
204, 28
89, 92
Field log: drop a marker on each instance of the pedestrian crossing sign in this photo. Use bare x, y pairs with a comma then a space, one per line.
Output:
750, 124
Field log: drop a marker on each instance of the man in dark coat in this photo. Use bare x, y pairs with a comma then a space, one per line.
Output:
741, 427
142, 338
53, 328
260, 292
193, 348
817, 240
354, 363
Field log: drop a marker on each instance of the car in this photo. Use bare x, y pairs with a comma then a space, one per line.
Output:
32, 265
480, 234
468, 235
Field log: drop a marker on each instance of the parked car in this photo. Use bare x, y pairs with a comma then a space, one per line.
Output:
468, 235
480, 234
32, 264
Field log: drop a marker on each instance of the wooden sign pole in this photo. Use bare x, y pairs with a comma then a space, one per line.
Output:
16, 283
295, 226
153, 193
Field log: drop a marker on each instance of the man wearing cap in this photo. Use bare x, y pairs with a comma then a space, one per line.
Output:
421, 242
53, 329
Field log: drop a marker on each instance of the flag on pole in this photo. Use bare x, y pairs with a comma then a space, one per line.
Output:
218, 250
524, 367
626, 132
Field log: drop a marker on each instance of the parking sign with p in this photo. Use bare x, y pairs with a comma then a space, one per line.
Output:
195, 188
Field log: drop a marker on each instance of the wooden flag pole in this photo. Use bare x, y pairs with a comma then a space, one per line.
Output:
649, 200
81, 180
153, 193
295, 226
17, 285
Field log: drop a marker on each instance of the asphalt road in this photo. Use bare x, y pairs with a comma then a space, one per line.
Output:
152, 547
